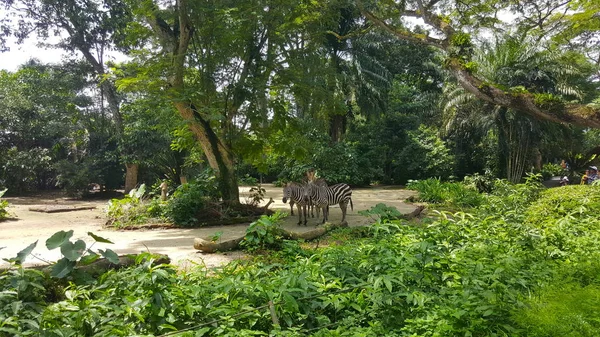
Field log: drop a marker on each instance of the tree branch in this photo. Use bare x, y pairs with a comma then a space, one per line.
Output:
577, 114
403, 34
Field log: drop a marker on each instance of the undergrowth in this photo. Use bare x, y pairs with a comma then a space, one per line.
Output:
452, 194
504, 269
193, 204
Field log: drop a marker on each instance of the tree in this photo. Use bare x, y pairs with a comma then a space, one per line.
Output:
517, 65
449, 33
225, 67
90, 27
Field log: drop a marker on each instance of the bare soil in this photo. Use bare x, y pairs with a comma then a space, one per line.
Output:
28, 226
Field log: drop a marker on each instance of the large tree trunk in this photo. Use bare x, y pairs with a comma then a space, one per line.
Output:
131, 177
219, 156
176, 40
110, 93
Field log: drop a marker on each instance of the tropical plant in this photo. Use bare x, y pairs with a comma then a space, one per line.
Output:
73, 253
264, 233
194, 201
3, 206
448, 193
520, 66
130, 210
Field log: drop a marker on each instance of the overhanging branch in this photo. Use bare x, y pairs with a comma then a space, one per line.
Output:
576, 114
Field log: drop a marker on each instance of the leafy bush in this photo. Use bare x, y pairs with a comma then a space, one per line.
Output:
25, 170
562, 310
264, 233
573, 201
550, 170
484, 183
426, 155
130, 210
382, 212
492, 272
3, 206
433, 190
75, 178
193, 199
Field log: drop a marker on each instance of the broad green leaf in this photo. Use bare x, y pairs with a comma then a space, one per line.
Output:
91, 257
110, 255
62, 268
22, 255
73, 251
99, 238
58, 239
2, 192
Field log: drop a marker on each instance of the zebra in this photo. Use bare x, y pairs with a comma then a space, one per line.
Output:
311, 207
323, 196
296, 194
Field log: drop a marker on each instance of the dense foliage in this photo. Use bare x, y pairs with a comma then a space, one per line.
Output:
268, 94
501, 270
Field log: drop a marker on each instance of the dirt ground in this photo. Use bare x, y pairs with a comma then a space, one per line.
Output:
29, 226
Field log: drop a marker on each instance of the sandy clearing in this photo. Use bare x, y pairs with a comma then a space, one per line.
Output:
177, 243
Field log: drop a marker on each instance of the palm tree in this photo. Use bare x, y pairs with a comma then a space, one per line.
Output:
517, 65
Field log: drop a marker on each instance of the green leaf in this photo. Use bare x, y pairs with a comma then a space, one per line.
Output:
58, 239
22, 255
62, 268
91, 257
99, 238
110, 255
73, 251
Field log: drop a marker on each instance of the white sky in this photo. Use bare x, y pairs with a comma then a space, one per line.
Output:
20, 54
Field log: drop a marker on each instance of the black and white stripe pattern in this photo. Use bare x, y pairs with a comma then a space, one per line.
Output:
323, 196
296, 194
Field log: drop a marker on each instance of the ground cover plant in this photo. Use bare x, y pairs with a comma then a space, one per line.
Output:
497, 271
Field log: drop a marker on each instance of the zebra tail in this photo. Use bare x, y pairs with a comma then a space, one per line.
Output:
351, 206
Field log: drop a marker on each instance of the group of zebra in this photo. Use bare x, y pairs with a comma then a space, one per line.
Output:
316, 194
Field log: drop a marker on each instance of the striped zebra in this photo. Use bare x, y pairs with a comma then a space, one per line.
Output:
323, 196
311, 207
296, 194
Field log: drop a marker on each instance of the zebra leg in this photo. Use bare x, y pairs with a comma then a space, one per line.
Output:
305, 214
292, 206
299, 214
343, 207
325, 213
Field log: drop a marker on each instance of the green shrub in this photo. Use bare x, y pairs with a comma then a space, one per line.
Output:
130, 210
562, 310
264, 233
433, 190
3, 206
75, 178
484, 183
573, 201
191, 200
550, 170
25, 170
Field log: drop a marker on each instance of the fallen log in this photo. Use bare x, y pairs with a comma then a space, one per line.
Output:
59, 209
208, 246
414, 214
